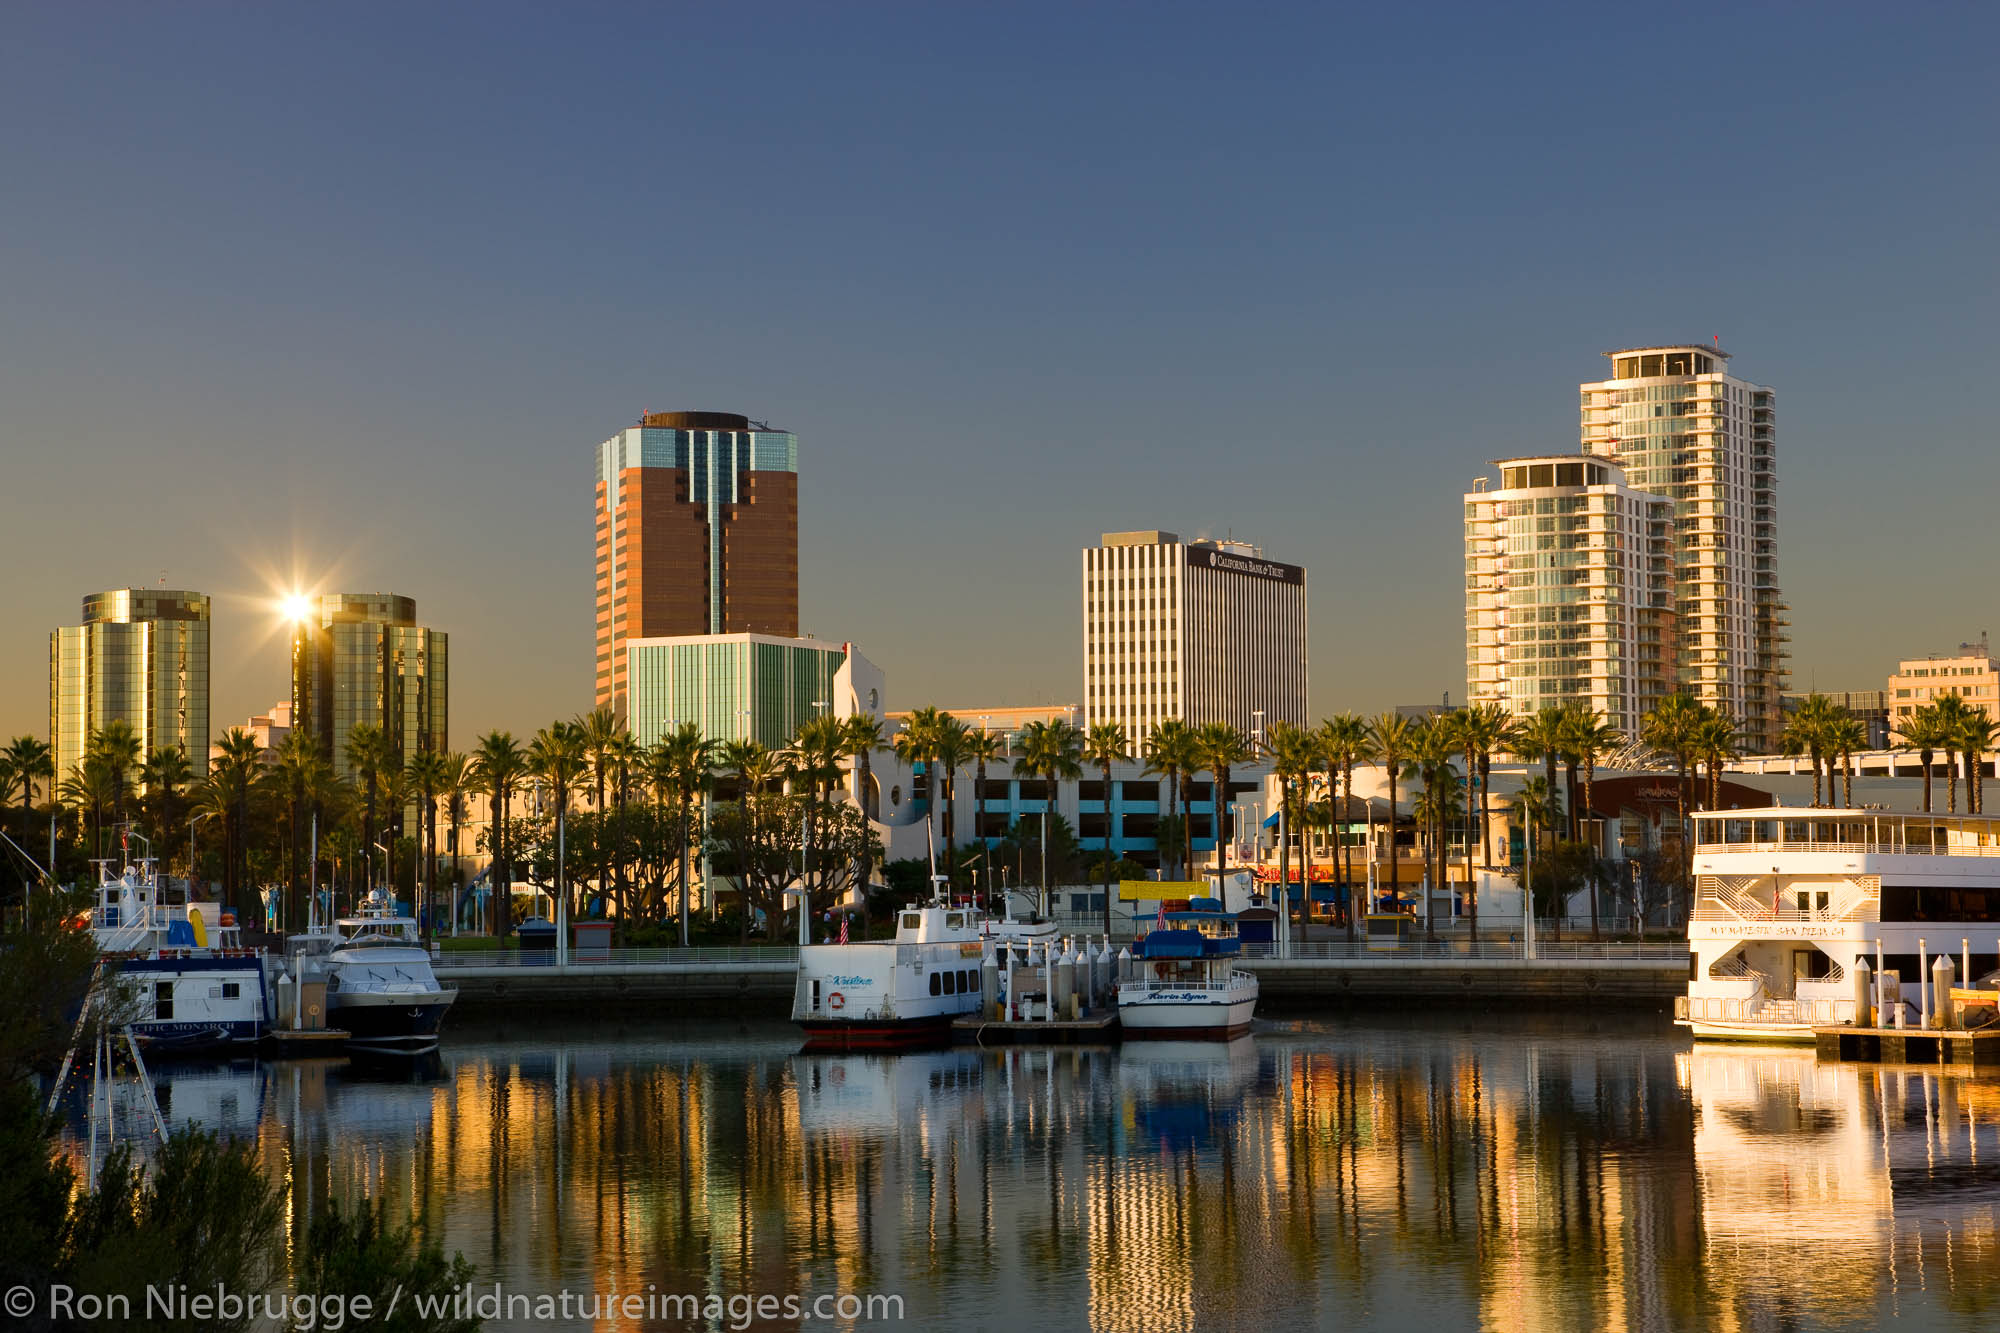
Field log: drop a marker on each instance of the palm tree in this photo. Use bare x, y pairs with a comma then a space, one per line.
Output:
1975, 738
559, 756
370, 756
1169, 750
1434, 744
1344, 742
427, 775
232, 772
751, 761
1107, 744
1715, 743
1845, 735
1671, 729
950, 750
600, 733
498, 767
1589, 739
1543, 737
1053, 752
1221, 747
295, 774
982, 747
1392, 737
117, 747
1483, 730
1294, 754
1534, 807
1952, 715
817, 749
29, 760
89, 788
913, 746
1923, 733
861, 737
684, 764
163, 775
1806, 733
460, 778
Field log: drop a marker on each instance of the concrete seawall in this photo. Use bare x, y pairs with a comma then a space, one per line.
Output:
765, 988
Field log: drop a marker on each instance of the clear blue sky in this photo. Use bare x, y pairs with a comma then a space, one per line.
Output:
351, 291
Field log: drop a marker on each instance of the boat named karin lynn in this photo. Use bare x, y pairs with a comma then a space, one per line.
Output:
1185, 983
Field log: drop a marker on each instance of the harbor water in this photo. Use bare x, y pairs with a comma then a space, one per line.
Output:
1425, 1171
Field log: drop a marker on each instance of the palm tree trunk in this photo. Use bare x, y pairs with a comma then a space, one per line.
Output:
1343, 849
1107, 852
1951, 779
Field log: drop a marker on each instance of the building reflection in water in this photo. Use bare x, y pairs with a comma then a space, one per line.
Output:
1512, 1176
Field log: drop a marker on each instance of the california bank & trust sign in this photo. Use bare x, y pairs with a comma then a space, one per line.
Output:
1243, 564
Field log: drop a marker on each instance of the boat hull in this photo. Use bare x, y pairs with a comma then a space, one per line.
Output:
1769, 1034
1187, 1020
832, 1034
390, 1024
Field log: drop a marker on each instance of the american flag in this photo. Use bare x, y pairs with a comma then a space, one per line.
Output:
843, 930
1160, 917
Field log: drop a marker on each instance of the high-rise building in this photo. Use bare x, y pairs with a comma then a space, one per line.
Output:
739, 687
1682, 427
1972, 673
141, 655
697, 533
1569, 590
1201, 631
363, 658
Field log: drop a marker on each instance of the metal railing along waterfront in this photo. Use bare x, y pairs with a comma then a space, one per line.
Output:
1448, 950
1546, 951
788, 954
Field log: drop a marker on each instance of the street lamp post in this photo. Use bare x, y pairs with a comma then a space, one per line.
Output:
388, 870
191, 823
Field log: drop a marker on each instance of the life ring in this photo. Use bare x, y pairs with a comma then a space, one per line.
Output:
836, 1001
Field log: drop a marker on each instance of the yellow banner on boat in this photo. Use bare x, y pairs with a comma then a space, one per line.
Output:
1152, 890
200, 930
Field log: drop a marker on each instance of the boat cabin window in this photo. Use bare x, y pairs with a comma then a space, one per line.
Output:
1933, 902
912, 920
955, 921
937, 983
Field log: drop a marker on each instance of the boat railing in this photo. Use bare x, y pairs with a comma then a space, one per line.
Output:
1718, 898
1937, 846
1761, 1009
1145, 985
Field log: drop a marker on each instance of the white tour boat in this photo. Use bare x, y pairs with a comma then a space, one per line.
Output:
1792, 903
1185, 983
905, 992
184, 981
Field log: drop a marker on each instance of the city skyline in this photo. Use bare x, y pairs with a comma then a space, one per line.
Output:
993, 357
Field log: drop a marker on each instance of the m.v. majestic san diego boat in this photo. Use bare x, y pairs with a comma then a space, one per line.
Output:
1790, 903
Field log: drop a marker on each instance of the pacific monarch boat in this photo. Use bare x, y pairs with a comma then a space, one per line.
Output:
184, 981
1185, 982
1791, 902
902, 993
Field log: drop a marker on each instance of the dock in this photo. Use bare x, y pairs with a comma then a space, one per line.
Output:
975, 1031
1949, 1047
308, 1041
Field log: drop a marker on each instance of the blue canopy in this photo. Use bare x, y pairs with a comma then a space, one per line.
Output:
1171, 943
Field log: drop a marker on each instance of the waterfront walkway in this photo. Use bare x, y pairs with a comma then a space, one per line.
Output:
1317, 970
